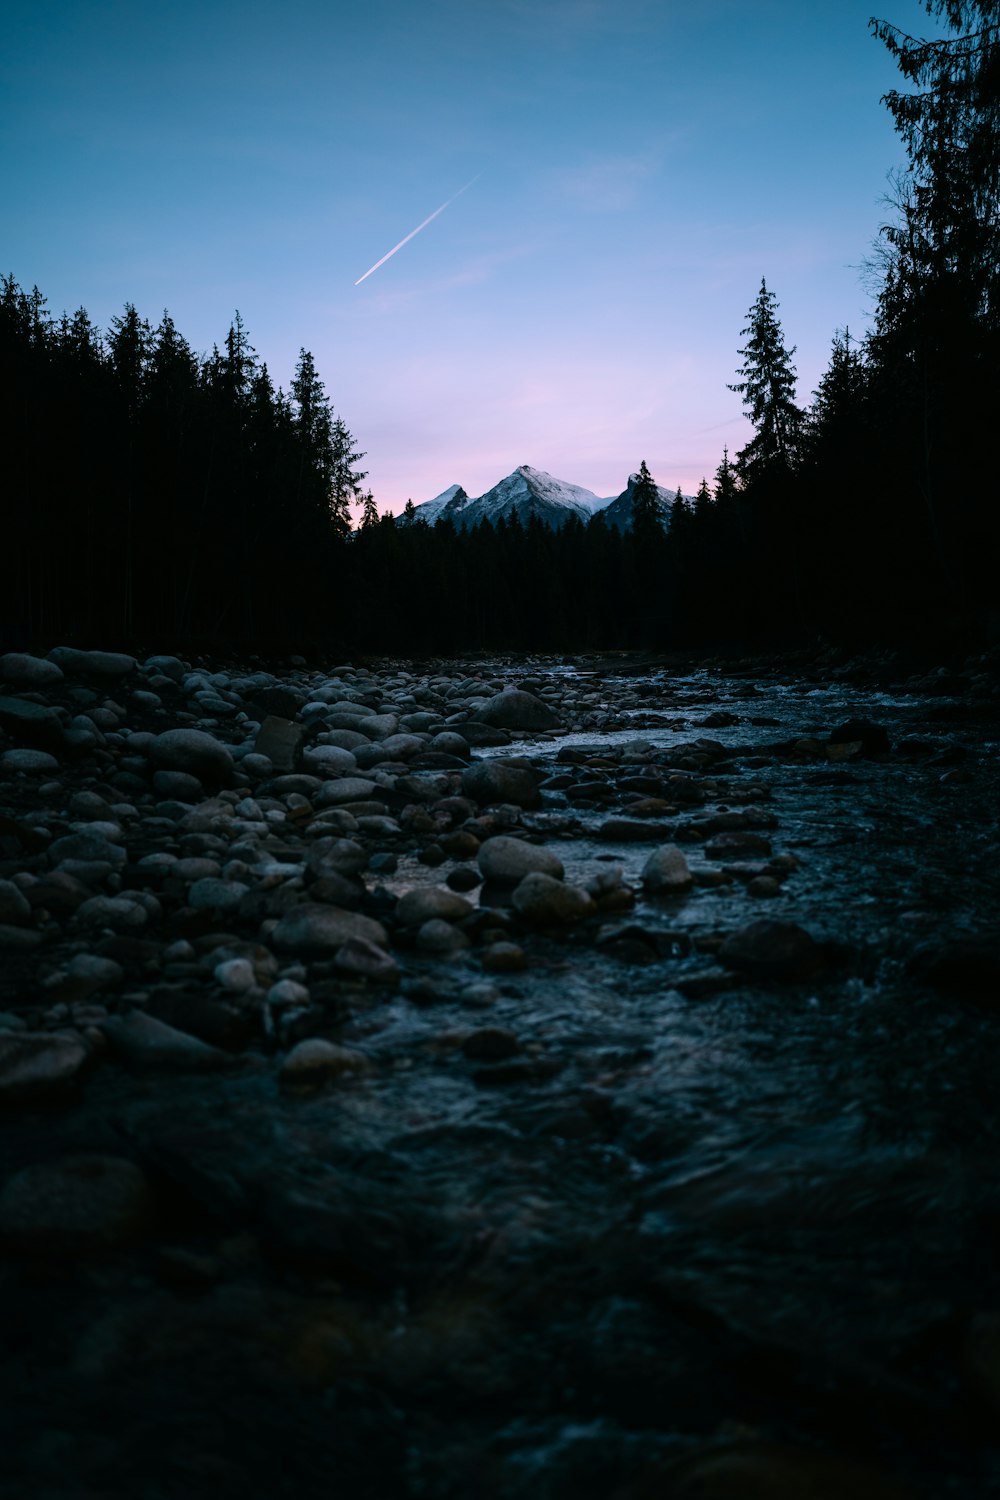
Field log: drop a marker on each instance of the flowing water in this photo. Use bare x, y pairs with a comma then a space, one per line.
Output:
678, 1211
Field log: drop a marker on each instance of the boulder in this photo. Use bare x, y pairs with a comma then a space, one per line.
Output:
109, 666
32, 724
40, 1067
542, 901
146, 1043
487, 781
772, 950
317, 1061
24, 671
194, 751
666, 871
427, 902
505, 860
281, 741
516, 709
312, 928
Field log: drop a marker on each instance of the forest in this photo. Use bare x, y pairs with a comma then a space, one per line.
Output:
160, 498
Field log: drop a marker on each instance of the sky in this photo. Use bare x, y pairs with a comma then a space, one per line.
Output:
639, 166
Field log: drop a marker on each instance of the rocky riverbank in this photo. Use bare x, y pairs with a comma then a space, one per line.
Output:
537, 1078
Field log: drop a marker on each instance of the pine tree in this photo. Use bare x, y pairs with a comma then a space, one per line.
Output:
369, 511
345, 478
726, 485
767, 387
645, 504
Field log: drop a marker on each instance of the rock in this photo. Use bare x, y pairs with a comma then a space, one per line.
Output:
763, 887
194, 751
366, 960
14, 905
736, 844
874, 738
279, 701
506, 861
463, 878
666, 871
438, 936
333, 856
144, 1042
491, 1044
91, 847
108, 665
75, 1206
116, 912
631, 831
346, 789
428, 902
311, 928
772, 950
32, 724
222, 896
316, 1061
179, 786
330, 760
30, 762
281, 741
170, 667
447, 742
773, 1471
200, 1015
516, 709
378, 726
541, 900
18, 937
23, 671
496, 780
503, 958
235, 975
40, 1067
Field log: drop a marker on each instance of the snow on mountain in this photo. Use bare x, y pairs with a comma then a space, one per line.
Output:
448, 503
618, 512
525, 493
532, 492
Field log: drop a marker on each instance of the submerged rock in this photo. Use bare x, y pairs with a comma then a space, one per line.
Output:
772, 950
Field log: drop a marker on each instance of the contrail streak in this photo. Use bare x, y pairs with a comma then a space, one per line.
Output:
412, 232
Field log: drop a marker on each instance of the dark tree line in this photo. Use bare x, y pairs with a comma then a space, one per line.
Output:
156, 497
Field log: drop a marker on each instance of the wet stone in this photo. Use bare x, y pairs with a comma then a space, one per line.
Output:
506, 861
772, 950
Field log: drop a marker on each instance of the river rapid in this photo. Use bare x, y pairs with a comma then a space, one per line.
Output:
637, 1218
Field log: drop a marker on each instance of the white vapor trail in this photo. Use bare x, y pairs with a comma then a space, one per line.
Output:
412, 232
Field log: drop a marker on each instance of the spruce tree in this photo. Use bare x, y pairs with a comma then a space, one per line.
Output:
768, 388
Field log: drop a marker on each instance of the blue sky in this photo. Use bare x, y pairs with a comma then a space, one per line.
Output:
642, 163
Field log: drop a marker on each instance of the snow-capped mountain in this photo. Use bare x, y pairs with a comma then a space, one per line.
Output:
448, 503
618, 512
531, 492
525, 493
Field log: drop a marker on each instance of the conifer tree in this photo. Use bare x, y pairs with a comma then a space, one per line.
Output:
767, 387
